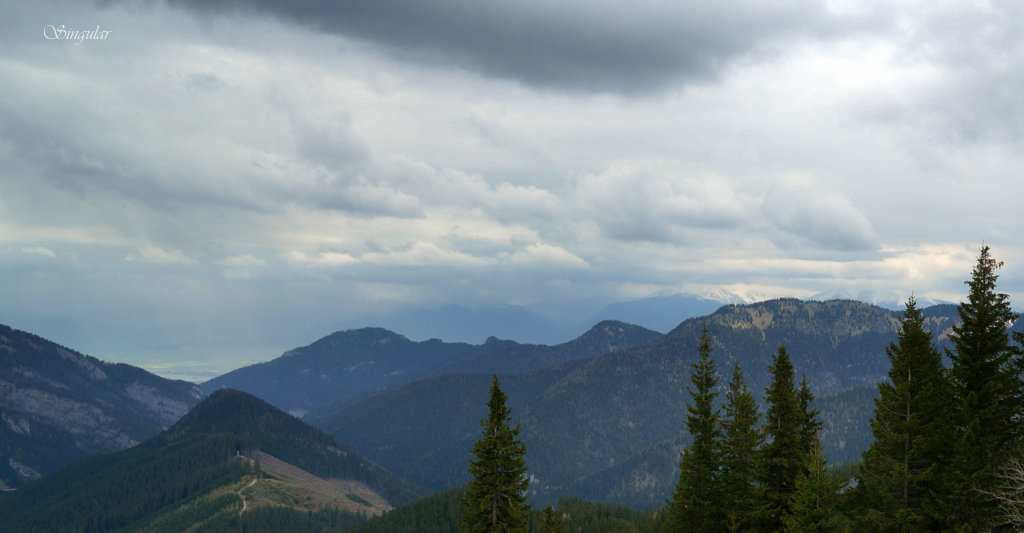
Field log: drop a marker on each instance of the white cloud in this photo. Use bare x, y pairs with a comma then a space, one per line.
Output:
328, 259
39, 250
246, 260
543, 255
157, 255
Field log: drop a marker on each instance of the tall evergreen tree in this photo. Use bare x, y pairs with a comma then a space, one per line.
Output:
899, 474
783, 455
987, 387
814, 508
697, 501
495, 499
741, 441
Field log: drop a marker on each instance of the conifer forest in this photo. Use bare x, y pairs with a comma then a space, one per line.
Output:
946, 453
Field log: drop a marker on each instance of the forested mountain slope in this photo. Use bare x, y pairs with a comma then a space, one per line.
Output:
357, 363
57, 405
341, 365
604, 337
233, 452
586, 416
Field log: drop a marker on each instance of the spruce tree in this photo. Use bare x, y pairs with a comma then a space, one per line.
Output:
741, 441
783, 455
495, 499
987, 387
814, 507
899, 475
697, 501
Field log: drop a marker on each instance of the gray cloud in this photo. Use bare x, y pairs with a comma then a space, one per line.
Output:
966, 62
261, 172
658, 201
819, 217
630, 47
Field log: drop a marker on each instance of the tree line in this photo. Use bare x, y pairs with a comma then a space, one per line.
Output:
947, 451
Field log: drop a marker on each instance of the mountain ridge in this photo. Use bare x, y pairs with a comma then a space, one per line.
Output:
350, 364
584, 416
57, 405
207, 471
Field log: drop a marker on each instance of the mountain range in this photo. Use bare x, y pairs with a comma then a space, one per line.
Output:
357, 363
601, 415
604, 422
458, 323
659, 312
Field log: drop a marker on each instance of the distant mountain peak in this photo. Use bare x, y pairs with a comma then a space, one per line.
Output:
224, 411
374, 335
460, 323
613, 329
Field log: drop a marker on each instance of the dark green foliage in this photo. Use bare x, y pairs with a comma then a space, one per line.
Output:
899, 478
580, 516
697, 501
550, 521
815, 504
987, 387
741, 440
273, 519
783, 455
495, 499
438, 513
117, 490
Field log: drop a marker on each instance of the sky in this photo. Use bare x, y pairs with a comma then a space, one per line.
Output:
194, 184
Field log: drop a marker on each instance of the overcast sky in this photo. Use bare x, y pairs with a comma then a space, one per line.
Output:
197, 180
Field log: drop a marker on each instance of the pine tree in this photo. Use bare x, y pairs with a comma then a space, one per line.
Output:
741, 441
987, 387
899, 475
495, 499
697, 502
550, 521
783, 455
814, 507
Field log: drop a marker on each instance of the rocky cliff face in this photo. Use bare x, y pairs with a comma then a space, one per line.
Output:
57, 405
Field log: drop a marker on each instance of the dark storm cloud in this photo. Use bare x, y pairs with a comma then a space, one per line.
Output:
626, 47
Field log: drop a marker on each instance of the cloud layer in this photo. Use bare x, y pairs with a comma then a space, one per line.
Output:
265, 170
